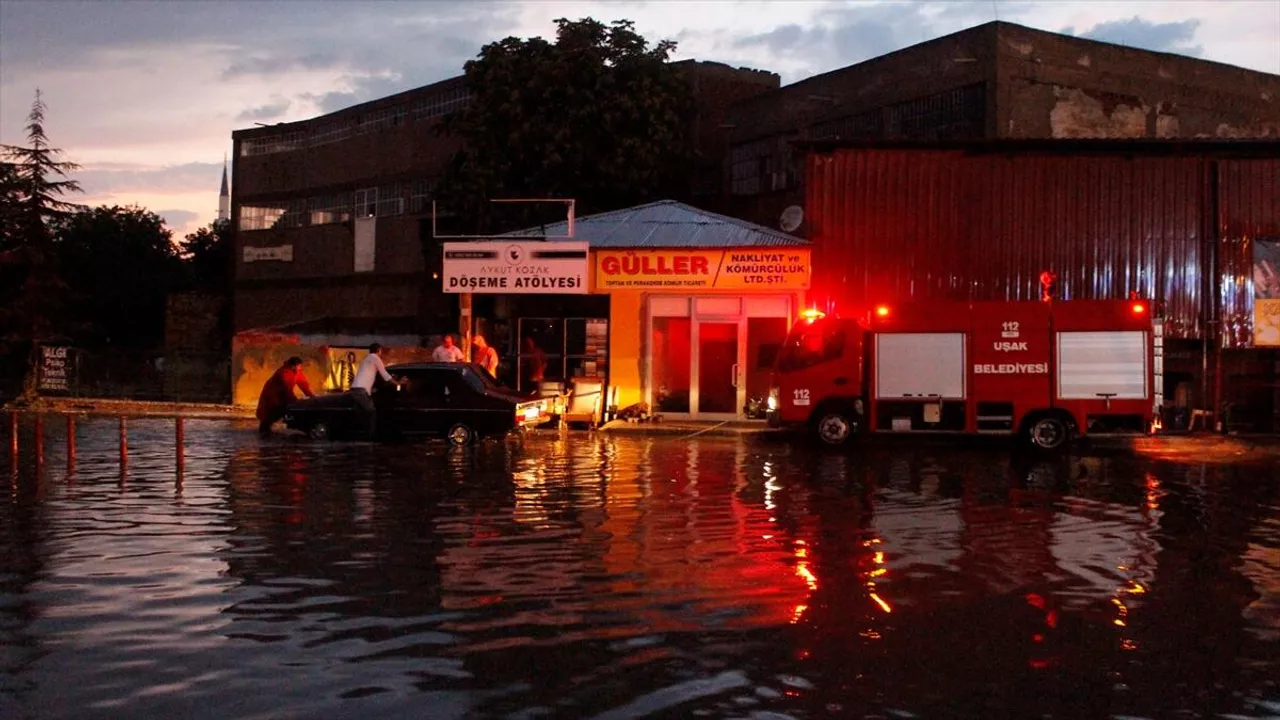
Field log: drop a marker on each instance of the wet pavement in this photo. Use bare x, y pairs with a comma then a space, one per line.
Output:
616, 576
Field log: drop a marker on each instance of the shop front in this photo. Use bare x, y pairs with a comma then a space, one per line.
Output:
694, 331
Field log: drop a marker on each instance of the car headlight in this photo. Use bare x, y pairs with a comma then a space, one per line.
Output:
772, 402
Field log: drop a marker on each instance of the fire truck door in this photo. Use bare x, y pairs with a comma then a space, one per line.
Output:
1009, 363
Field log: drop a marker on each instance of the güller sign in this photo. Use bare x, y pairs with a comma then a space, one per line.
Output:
516, 268
730, 269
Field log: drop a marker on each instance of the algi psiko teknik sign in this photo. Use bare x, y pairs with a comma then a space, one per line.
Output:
516, 268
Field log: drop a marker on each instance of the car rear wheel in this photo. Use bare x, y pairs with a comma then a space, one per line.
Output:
318, 431
460, 435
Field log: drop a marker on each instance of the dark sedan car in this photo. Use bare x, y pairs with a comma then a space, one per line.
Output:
458, 401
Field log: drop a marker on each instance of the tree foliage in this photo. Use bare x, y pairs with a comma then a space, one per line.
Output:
208, 254
120, 264
599, 116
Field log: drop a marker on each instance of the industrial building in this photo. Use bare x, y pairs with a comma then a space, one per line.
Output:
993, 81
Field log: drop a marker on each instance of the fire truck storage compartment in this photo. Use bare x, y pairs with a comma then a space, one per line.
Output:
919, 381
1098, 365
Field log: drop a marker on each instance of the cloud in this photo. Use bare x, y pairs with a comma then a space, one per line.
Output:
112, 178
177, 219
841, 34
269, 111
268, 65
1173, 37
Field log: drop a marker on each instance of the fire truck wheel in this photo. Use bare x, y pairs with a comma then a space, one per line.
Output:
836, 426
1048, 432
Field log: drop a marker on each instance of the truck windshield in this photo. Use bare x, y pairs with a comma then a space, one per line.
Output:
810, 344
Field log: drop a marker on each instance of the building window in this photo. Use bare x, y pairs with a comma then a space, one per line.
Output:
366, 202
954, 114
441, 104
331, 132
419, 196
751, 167
381, 119
295, 215
283, 142
390, 200
863, 126
330, 209
259, 217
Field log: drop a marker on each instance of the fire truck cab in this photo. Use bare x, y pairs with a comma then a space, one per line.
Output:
1046, 372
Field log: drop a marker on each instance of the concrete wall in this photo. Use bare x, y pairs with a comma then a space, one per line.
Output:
264, 305
1054, 86
256, 356
197, 358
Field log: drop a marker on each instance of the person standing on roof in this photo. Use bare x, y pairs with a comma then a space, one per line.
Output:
278, 392
371, 368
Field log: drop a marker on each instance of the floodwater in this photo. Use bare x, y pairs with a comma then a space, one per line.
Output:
600, 576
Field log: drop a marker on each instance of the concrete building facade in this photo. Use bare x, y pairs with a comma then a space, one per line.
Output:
332, 215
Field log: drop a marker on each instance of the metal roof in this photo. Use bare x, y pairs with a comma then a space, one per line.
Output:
665, 224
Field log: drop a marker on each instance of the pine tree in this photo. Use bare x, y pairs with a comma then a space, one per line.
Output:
39, 183
33, 181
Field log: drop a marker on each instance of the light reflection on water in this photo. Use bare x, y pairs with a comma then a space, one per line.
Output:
603, 576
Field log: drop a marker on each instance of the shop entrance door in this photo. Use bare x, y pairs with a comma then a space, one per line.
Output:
717, 392
711, 357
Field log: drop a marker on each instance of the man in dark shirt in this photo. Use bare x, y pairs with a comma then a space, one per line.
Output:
278, 393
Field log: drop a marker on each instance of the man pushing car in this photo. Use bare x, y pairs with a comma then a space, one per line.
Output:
361, 391
277, 393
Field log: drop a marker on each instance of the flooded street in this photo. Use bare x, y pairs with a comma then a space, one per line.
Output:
603, 576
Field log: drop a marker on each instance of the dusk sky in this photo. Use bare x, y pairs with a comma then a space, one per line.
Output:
145, 95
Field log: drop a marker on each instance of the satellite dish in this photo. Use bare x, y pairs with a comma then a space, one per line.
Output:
791, 218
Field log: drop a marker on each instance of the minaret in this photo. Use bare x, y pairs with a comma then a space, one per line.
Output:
224, 198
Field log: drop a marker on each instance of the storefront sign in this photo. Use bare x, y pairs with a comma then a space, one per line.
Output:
55, 369
283, 253
516, 268
731, 269
1266, 293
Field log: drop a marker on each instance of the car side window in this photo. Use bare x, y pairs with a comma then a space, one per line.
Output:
425, 389
461, 386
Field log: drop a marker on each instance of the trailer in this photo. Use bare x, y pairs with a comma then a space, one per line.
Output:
1045, 372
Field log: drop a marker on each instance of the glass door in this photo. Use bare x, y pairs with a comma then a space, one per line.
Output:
718, 368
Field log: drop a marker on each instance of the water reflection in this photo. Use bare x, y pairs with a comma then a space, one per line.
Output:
578, 575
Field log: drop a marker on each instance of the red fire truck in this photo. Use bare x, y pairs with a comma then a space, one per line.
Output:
1043, 371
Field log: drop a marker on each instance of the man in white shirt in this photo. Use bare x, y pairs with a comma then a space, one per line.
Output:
447, 351
362, 386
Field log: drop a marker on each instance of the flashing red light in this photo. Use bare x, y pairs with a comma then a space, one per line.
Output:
812, 314
882, 311
1139, 308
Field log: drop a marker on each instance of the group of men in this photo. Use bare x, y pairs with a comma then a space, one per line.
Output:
481, 353
280, 389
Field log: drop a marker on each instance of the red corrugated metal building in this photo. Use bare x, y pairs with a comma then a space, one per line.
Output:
1172, 221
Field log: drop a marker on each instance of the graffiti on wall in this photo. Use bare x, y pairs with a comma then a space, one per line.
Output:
1266, 293
341, 366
